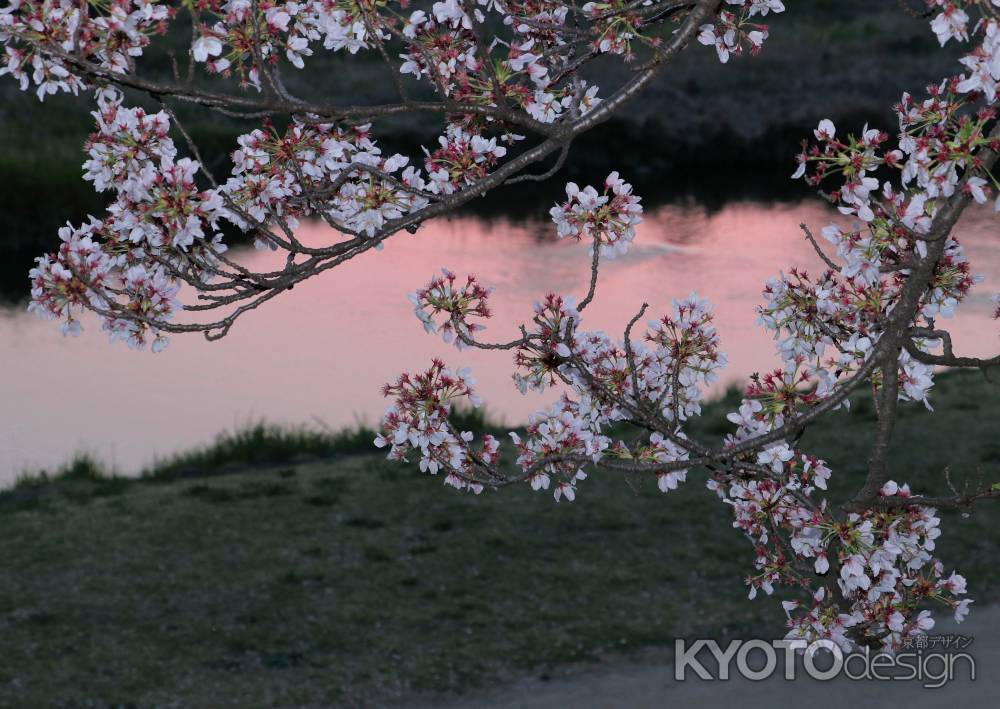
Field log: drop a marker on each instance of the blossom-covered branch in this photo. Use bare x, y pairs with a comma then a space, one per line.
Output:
866, 570
506, 78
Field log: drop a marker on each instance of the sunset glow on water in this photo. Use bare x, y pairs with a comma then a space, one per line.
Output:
320, 353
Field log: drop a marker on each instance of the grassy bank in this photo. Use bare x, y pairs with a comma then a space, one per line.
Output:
308, 579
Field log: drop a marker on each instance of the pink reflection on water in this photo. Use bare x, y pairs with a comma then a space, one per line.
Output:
323, 350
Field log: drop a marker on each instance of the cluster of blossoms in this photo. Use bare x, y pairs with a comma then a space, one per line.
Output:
320, 169
846, 307
164, 206
687, 354
247, 36
886, 571
153, 293
418, 421
735, 32
539, 362
608, 218
811, 318
84, 274
878, 562
662, 450
828, 327
61, 284
111, 34
609, 380
461, 159
341, 175
668, 377
556, 442
616, 24
158, 203
442, 47
159, 226
443, 295
125, 142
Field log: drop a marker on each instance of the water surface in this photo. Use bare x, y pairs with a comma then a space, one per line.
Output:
321, 352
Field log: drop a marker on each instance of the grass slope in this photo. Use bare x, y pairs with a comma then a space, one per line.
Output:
340, 581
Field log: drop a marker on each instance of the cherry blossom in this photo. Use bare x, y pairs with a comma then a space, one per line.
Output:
508, 83
734, 32
443, 295
950, 23
608, 218
111, 35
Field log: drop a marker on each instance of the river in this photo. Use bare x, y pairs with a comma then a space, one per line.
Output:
321, 352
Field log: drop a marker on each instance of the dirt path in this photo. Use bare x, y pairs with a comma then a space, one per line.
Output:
644, 686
